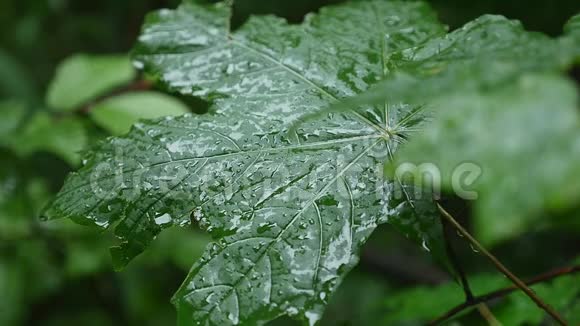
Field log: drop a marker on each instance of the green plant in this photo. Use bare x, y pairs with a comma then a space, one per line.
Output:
295, 164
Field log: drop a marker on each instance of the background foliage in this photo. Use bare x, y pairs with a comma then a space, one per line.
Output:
60, 273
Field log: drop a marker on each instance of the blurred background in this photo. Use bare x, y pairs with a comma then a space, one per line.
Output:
66, 82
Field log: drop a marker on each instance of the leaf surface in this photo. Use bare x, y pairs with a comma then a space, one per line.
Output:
483, 53
496, 103
531, 124
288, 211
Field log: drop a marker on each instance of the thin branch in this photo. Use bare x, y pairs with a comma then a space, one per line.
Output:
505, 291
519, 283
454, 259
486, 313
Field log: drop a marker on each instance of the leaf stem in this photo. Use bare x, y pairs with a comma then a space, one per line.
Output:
517, 282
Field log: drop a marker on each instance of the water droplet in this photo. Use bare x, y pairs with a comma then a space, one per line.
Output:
473, 248
263, 227
229, 69
424, 245
163, 219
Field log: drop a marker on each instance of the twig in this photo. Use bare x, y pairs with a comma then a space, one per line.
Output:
519, 283
454, 259
505, 291
486, 313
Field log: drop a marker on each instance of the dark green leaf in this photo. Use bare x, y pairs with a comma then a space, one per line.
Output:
289, 212
515, 128
484, 53
505, 132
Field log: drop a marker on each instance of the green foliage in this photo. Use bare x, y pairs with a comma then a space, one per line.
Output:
293, 168
420, 304
64, 137
27, 134
75, 82
489, 88
119, 113
476, 127
14, 81
290, 211
483, 53
37, 260
12, 114
572, 32
19, 196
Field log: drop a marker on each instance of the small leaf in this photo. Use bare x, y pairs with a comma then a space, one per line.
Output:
119, 113
82, 78
64, 137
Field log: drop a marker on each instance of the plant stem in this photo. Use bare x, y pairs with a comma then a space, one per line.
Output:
518, 283
454, 260
486, 313
483, 309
